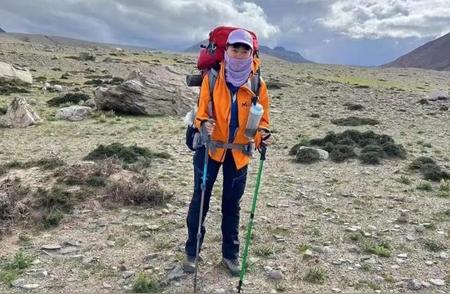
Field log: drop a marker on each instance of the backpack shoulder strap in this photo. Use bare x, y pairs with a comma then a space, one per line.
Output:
255, 83
212, 78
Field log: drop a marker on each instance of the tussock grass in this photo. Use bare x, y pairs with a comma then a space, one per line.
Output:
128, 154
69, 98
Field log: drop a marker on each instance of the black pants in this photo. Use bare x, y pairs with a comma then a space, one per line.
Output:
233, 189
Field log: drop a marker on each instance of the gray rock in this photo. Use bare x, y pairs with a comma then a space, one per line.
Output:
438, 95
30, 286
414, 284
19, 115
89, 259
51, 247
161, 91
176, 273
127, 274
14, 74
89, 103
73, 113
18, 283
68, 250
437, 282
426, 284
275, 275
443, 255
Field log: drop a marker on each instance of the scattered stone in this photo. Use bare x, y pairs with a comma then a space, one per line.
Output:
176, 273
127, 274
275, 275
14, 74
89, 103
438, 95
106, 285
68, 250
437, 282
74, 243
444, 255
414, 284
73, 113
30, 286
51, 247
19, 114
426, 284
18, 283
53, 88
89, 259
429, 262
337, 290
403, 255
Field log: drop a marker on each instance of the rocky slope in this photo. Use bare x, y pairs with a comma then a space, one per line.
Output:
322, 227
432, 55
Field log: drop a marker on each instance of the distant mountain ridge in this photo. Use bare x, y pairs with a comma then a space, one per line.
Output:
278, 52
432, 55
284, 54
2, 31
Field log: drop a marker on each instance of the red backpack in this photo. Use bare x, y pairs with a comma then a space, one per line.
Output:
213, 53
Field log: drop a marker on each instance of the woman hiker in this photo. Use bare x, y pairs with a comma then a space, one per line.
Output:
232, 99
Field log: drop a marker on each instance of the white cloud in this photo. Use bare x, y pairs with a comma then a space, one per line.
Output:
389, 18
159, 23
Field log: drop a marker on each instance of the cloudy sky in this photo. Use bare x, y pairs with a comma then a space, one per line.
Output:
357, 32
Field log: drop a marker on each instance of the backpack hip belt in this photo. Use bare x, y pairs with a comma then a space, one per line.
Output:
245, 148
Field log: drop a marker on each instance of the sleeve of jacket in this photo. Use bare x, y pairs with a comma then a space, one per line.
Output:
203, 103
265, 120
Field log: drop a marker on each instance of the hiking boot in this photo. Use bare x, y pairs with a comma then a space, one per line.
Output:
233, 266
189, 264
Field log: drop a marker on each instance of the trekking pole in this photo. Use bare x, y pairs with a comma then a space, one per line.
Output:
200, 218
252, 215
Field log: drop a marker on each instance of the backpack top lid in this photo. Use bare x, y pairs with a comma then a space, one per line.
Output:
214, 52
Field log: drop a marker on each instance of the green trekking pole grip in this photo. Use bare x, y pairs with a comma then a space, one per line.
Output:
263, 150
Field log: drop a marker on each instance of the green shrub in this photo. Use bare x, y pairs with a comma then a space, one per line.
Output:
382, 249
307, 155
315, 276
355, 121
69, 98
353, 106
433, 172
341, 153
420, 161
12, 269
138, 191
129, 154
434, 245
146, 284
370, 157
425, 186
394, 150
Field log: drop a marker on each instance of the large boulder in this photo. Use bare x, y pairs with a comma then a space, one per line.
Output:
73, 113
161, 91
14, 74
19, 114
